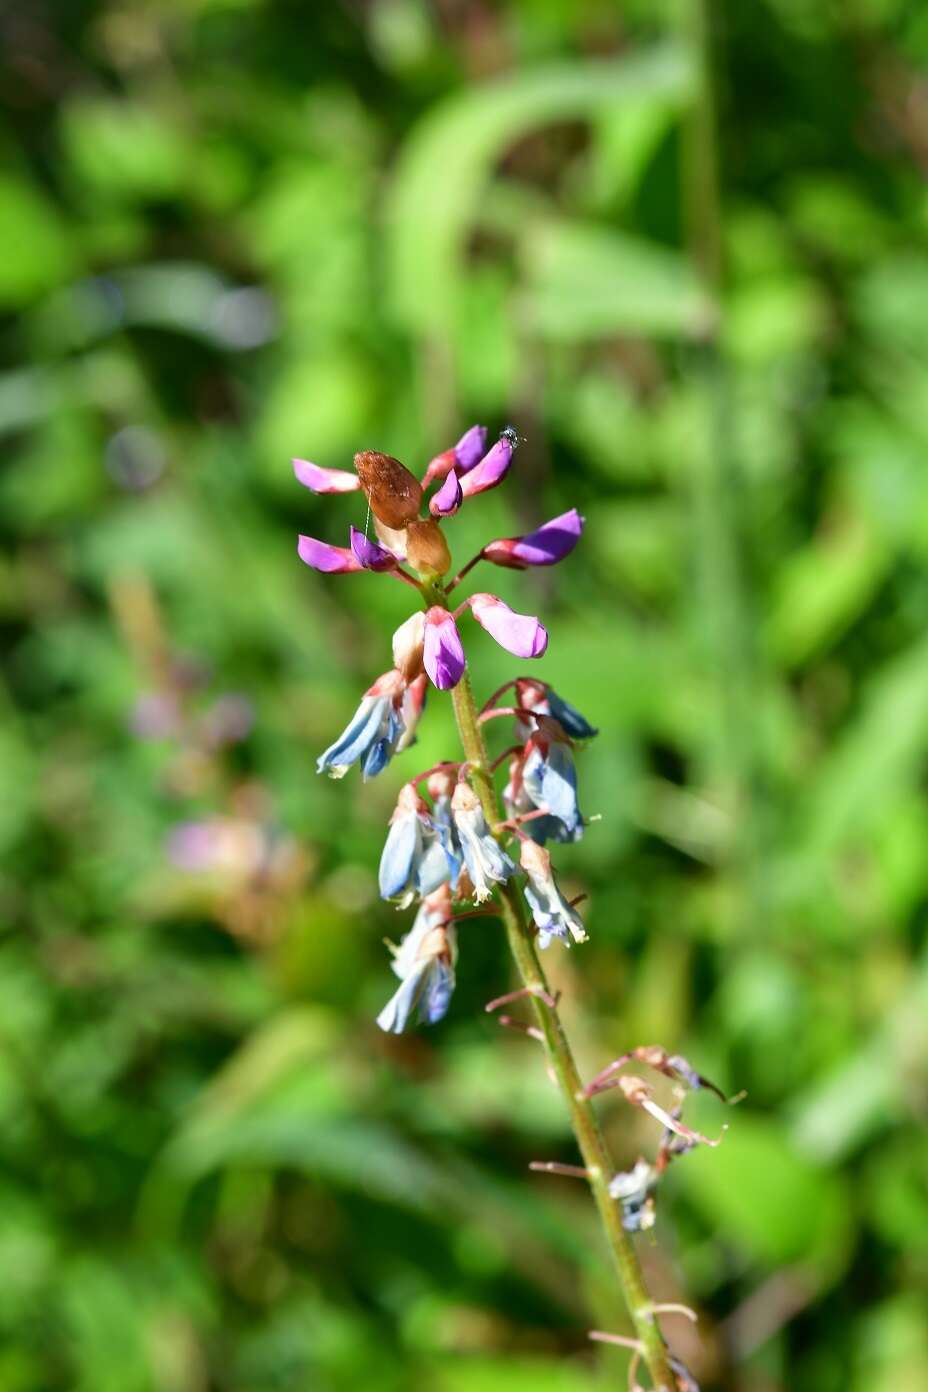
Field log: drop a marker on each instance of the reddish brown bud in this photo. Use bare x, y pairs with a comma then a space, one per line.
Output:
426, 548
503, 553
394, 494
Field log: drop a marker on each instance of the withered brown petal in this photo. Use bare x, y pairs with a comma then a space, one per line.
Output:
426, 548
395, 495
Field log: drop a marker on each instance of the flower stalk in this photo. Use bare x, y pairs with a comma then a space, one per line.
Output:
584, 1123
446, 844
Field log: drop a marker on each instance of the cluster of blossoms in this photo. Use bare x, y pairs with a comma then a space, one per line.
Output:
441, 851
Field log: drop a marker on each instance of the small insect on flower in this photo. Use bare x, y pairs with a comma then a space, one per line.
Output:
510, 433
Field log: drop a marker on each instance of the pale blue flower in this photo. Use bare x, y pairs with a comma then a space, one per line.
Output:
486, 862
554, 917
424, 962
413, 860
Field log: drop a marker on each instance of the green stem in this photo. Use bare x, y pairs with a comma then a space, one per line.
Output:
596, 1158
717, 487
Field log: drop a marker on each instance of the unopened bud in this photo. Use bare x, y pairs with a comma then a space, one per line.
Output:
426, 548
464, 799
407, 646
441, 783
394, 494
535, 860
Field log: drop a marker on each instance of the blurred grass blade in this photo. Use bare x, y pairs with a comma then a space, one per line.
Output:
449, 158
587, 282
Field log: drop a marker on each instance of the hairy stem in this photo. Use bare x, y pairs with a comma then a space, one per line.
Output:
592, 1146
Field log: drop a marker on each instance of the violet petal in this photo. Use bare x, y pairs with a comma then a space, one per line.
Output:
448, 499
471, 448
443, 651
368, 554
320, 480
521, 634
491, 470
331, 560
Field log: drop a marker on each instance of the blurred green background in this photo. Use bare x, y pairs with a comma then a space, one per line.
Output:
238, 230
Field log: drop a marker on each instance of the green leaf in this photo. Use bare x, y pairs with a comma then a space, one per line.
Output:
588, 282
37, 254
758, 1192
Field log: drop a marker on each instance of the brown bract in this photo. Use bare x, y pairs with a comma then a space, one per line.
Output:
394, 494
426, 548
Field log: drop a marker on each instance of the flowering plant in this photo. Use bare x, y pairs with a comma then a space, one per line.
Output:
451, 841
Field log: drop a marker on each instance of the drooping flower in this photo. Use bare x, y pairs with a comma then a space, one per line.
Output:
543, 778
424, 962
547, 545
633, 1190
378, 729
549, 777
443, 651
554, 917
441, 787
521, 634
487, 863
413, 860
536, 696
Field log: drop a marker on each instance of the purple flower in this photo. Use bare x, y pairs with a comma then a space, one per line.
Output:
369, 554
468, 451
331, 560
521, 634
320, 480
443, 651
487, 863
413, 860
424, 962
448, 499
549, 544
554, 917
376, 731
492, 469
